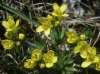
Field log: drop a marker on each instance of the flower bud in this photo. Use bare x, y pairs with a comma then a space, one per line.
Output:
57, 23
21, 36
82, 36
49, 17
98, 66
18, 43
42, 65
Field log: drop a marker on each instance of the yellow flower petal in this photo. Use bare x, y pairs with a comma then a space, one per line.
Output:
51, 52
86, 64
65, 15
10, 30
93, 50
63, 7
54, 59
42, 20
11, 21
40, 29
5, 24
47, 32
48, 65
17, 23
49, 17
77, 49
36, 51
55, 6
54, 14
96, 59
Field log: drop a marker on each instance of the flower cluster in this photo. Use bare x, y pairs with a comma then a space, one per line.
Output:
59, 39
86, 52
12, 33
52, 20
44, 60
72, 37
36, 56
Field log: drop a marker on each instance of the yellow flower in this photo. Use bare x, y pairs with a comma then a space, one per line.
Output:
21, 36
10, 25
81, 46
82, 36
57, 23
29, 63
7, 44
42, 65
59, 10
72, 36
91, 58
49, 17
98, 66
36, 55
49, 58
46, 26
84, 51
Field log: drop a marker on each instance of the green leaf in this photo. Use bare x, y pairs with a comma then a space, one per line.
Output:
35, 44
67, 62
54, 34
67, 56
67, 68
30, 14
39, 39
18, 13
70, 62
18, 51
67, 59
63, 72
62, 32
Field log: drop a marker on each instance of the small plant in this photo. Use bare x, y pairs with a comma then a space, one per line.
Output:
52, 50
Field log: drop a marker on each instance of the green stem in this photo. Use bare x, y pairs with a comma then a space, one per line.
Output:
86, 70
